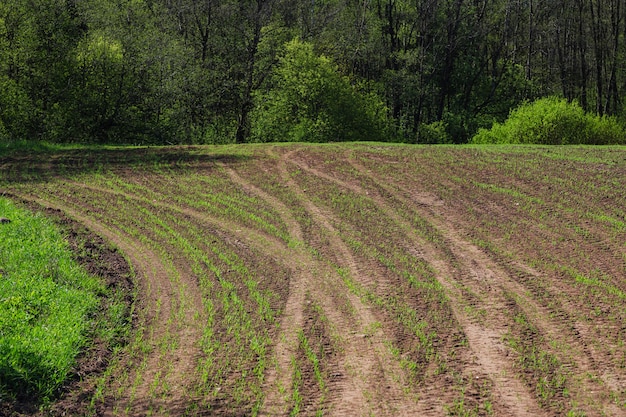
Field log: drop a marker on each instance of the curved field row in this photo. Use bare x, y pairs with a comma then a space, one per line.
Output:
357, 279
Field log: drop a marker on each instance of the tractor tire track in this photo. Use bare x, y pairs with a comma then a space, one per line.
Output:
486, 278
157, 302
279, 378
370, 379
306, 276
278, 381
486, 343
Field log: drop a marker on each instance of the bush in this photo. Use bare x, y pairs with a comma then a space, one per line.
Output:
307, 99
553, 121
433, 133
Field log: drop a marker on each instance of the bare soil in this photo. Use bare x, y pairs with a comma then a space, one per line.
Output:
397, 280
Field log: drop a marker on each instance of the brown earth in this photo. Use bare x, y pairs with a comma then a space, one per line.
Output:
348, 279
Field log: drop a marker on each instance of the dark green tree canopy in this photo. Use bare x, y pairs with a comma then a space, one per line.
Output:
190, 71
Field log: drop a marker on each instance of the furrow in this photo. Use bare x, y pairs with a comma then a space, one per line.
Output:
486, 278
486, 343
367, 359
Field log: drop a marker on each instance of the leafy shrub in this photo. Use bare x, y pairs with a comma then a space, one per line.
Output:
433, 133
307, 99
553, 121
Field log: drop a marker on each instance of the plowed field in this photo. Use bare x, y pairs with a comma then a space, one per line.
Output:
355, 279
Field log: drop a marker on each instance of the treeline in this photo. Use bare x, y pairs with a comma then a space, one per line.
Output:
213, 71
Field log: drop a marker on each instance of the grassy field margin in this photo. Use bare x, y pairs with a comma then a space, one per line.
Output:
60, 314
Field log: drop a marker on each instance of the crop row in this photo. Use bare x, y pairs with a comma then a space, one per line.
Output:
237, 313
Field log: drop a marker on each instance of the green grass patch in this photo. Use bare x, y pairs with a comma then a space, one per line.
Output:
23, 146
46, 301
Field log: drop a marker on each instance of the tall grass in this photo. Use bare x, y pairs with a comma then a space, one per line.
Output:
46, 301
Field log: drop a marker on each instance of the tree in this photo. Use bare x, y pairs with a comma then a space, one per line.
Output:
307, 99
36, 38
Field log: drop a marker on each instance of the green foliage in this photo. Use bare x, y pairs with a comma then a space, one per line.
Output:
158, 72
46, 300
36, 43
512, 89
16, 110
434, 132
309, 100
553, 121
93, 107
117, 91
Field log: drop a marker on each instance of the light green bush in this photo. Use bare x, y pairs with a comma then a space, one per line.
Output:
553, 121
307, 99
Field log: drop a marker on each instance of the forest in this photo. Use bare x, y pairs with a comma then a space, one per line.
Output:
226, 71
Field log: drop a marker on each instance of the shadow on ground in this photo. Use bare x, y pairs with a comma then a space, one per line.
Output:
41, 166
